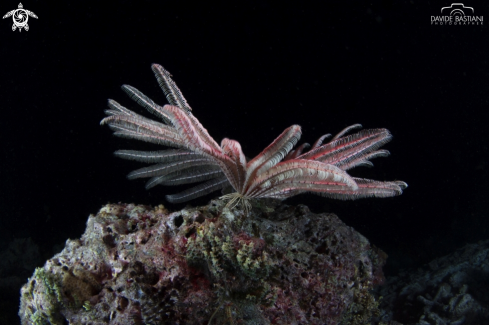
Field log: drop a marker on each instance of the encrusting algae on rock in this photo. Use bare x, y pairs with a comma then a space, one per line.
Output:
208, 265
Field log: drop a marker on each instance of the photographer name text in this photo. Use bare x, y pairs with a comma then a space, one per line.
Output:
457, 20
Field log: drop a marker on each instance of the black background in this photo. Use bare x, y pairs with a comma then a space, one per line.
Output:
249, 70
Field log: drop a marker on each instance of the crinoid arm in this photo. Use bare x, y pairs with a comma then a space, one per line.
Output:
367, 188
346, 130
272, 154
320, 141
350, 150
170, 88
298, 175
233, 149
297, 152
279, 171
186, 176
199, 158
199, 190
146, 102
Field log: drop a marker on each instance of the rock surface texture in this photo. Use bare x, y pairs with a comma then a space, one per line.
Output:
451, 290
208, 265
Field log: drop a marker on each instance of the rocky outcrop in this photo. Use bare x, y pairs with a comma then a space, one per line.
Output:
208, 265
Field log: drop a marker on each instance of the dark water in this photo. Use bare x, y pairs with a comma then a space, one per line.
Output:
248, 73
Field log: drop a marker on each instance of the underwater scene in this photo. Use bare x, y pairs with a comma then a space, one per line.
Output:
244, 163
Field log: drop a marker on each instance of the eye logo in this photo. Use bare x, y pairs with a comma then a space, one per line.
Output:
20, 17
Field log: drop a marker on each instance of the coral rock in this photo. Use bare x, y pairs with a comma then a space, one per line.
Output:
207, 265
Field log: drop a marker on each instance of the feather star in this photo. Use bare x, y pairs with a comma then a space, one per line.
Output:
278, 171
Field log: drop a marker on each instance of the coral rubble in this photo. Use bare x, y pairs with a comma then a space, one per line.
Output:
451, 290
208, 265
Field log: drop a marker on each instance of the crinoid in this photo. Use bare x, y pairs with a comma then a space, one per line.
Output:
235, 199
277, 172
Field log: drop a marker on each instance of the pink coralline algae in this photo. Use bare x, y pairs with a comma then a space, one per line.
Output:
208, 265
